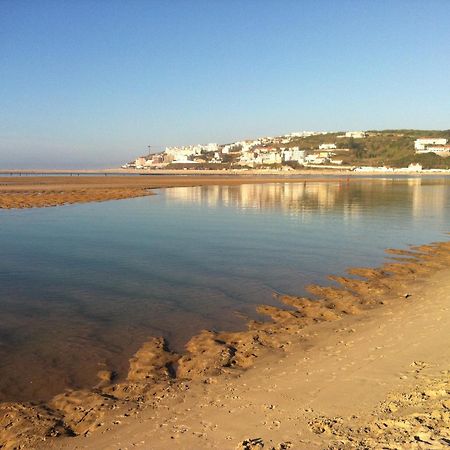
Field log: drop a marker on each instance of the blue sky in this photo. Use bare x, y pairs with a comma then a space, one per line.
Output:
92, 83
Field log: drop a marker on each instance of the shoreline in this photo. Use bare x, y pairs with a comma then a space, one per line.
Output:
245, 172
217, 363
48, 191
31, 192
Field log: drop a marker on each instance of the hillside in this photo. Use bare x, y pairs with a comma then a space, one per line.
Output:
393, 148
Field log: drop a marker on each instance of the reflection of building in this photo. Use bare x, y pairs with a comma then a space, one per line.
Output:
428, 198
292, 198
304, 199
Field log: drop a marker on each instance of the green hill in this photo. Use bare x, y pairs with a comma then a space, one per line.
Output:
393, 148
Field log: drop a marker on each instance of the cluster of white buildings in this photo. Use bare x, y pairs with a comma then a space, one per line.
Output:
250, 153
271, 155
304, 134
188, 153
146, 162
432, 145
282, 155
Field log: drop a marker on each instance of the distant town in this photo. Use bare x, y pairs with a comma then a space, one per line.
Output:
384, 151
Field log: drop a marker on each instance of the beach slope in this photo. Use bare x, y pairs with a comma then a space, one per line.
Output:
375, 375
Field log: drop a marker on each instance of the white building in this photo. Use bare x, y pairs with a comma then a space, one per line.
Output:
229, 148
183, 159
294, 154
415, 167
182, 152
217, 158
247, 158
441, 150
314, 159
261, 155
374, 169
211, 147
186, 154
421, 144
268, 158
327, 146
355, 134
306, 133
139, 163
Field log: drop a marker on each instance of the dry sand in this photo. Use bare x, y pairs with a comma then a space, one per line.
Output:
365, 364
29, 191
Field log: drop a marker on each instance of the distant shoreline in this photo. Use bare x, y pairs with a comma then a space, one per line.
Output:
313, 171
38, 189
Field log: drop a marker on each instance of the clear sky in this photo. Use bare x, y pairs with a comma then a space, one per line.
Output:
90, 83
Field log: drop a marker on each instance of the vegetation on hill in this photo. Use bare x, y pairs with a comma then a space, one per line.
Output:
394, 148
391, 148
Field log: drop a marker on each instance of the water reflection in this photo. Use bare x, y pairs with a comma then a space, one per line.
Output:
429, 197
290, 198
303, 199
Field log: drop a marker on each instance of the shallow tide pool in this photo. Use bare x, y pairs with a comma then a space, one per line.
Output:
83, 286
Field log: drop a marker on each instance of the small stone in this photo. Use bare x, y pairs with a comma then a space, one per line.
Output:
422, 437
105, 375
392, 407
251, 444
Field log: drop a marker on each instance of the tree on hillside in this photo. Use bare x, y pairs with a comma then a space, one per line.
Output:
357, 148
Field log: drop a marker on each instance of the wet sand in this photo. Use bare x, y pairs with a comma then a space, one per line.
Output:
42, 191
365, 364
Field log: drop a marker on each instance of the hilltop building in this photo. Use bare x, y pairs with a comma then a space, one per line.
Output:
422, 145
356, 134
187, 153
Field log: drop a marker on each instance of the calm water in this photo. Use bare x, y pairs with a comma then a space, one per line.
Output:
82, 286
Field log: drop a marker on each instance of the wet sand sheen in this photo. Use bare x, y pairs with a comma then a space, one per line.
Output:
72, 356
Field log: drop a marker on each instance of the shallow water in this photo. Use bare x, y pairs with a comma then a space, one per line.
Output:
83, 286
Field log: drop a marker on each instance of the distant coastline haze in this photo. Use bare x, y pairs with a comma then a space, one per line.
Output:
92, 84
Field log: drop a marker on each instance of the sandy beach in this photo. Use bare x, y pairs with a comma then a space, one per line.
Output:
365, 364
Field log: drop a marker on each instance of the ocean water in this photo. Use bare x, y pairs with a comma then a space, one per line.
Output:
83, 286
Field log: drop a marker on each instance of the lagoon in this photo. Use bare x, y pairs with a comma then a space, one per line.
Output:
83, 286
